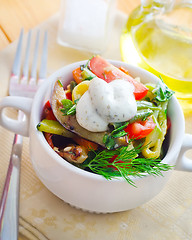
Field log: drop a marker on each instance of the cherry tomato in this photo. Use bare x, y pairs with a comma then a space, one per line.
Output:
69, 95
47, 112
108, 72
140, 129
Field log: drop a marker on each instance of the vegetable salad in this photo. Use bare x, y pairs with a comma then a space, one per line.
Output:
107, 122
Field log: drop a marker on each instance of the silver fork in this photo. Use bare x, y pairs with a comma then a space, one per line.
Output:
19, 86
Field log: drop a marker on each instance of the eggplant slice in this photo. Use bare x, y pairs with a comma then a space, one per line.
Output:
70, 122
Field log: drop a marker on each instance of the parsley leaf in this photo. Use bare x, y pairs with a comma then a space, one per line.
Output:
162, 92
68, 107
117, 132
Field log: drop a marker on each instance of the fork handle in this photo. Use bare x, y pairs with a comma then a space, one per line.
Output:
9, 204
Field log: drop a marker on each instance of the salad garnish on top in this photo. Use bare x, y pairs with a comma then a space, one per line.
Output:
107, 122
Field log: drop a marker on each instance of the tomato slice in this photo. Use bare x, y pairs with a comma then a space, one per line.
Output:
48, 137
47, 112
140, 129
108, 72
68, 95
112, 160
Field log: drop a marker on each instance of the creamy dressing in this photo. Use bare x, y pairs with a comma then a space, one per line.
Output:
106, 103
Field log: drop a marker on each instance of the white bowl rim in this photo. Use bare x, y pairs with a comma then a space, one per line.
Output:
79, 171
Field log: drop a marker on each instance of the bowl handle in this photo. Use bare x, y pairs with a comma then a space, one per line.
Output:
20, 103
183, 162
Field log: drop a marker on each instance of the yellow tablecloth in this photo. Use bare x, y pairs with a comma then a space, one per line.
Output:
43, 216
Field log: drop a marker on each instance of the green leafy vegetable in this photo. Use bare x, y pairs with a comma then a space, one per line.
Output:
68, 107
72, 110
147, 105
86, 73
109, 139
141, 115
162, 92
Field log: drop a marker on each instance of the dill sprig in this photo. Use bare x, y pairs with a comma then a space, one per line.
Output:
124, 162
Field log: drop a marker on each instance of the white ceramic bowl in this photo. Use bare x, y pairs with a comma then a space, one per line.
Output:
78, 187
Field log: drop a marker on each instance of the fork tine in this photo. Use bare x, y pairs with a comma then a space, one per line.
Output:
26, 59
10, 197
43, 67
35, 57
24, 85
17, 60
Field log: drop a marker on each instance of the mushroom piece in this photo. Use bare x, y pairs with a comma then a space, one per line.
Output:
73, 153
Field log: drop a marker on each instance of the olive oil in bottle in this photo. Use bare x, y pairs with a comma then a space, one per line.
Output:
162, 44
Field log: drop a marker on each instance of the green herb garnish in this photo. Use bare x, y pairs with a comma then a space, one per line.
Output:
141, 115
86, 73
109, 141
60, 83
162, 92
104, 75
142, 104
118, 131
68, 107
124, 162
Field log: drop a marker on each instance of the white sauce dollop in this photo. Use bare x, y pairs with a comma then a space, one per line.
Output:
106, 103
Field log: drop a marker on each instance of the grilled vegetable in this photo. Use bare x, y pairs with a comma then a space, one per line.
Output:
70, 122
